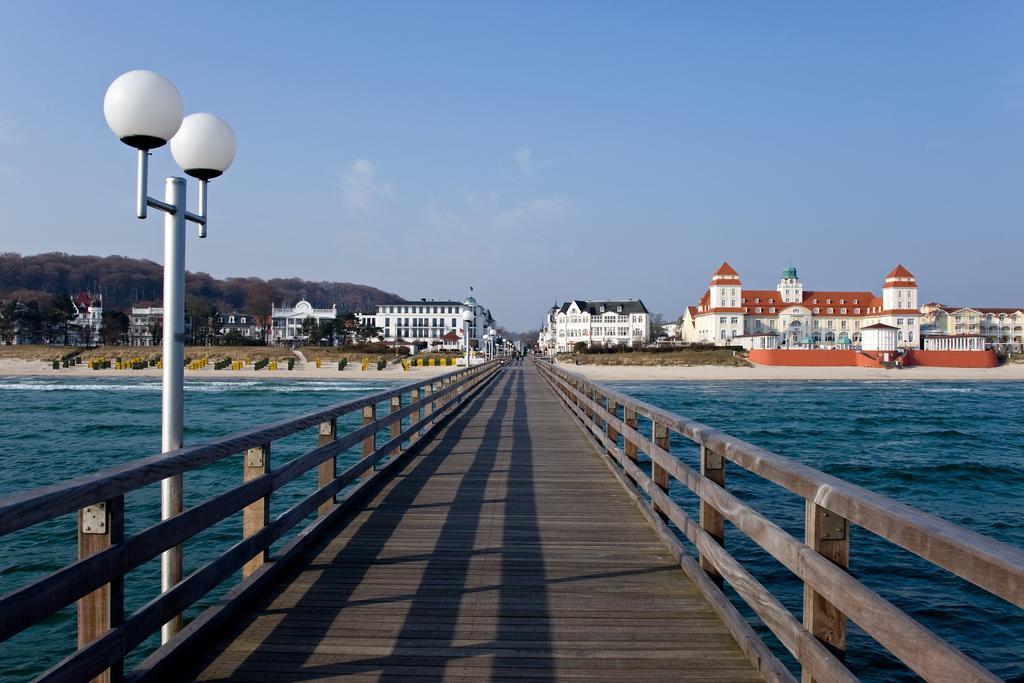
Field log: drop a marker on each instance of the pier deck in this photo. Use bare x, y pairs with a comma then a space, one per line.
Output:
505, 549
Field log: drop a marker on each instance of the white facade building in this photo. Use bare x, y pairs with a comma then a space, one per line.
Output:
429, 323
802, 318
145, 326
84, 329
286, 323
624, 322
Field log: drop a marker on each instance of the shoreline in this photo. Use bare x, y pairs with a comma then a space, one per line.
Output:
12, 367
770, 373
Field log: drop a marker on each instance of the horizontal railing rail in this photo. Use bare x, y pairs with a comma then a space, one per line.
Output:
831, 594
96, 580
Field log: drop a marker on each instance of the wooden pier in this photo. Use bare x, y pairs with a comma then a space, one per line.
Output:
511, 521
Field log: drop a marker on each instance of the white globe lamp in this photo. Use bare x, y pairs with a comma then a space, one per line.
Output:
204, 146
143, 109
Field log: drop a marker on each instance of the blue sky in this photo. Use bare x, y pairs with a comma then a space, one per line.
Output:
540, 151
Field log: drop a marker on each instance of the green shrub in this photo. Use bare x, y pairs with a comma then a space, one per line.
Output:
342, 363
381, 363
222, 363
291, 363
260, 364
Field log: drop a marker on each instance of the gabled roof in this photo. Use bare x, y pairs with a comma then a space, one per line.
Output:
612, 306
725, 269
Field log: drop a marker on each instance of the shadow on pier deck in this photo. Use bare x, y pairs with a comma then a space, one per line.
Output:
506, 549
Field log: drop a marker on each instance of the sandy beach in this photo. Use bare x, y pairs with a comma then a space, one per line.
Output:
12, 367
627, 373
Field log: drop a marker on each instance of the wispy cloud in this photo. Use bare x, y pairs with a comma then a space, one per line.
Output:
532, 213
523, 156
529, 214
362, 190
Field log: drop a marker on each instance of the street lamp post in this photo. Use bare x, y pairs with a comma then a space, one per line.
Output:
144, 110
467, 315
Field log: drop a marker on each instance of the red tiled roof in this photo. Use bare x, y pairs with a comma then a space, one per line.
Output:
725, 269
900, 271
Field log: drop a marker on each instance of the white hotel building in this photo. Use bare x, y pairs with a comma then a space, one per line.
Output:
596, 323
792, 317
426, 322
286, 322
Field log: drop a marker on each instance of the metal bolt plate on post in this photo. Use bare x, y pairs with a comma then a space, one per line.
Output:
833, 527
326, 428
94, 519
712, 460
254, 457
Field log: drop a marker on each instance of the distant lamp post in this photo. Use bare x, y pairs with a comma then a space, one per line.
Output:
144, 110
493, 339
467, 316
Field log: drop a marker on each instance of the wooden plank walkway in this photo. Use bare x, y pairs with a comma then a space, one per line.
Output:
505, 550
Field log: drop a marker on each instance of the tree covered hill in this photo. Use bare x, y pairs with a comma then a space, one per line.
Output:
124, 281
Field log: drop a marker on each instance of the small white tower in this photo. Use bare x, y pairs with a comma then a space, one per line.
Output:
899, 293
725, 287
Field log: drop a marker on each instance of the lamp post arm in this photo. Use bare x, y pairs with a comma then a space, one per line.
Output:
199, 218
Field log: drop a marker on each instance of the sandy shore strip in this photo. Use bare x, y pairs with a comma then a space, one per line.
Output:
11, 367
767, 373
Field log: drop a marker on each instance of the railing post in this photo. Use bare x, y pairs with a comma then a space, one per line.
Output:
414, 416
428, 408
712, 467
99, 527
609, 430
255, 515
829, 535
395, 428
370, 442
327, 470
629, 419
659, 475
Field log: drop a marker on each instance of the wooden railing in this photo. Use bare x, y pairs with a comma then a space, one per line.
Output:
105, 554
831, 594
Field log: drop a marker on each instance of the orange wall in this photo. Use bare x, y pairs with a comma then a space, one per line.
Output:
953, 359
850, 358
805, 357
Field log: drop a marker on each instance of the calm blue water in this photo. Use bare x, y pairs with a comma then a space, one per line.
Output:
955, 450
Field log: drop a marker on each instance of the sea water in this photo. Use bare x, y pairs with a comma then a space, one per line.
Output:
955, 450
